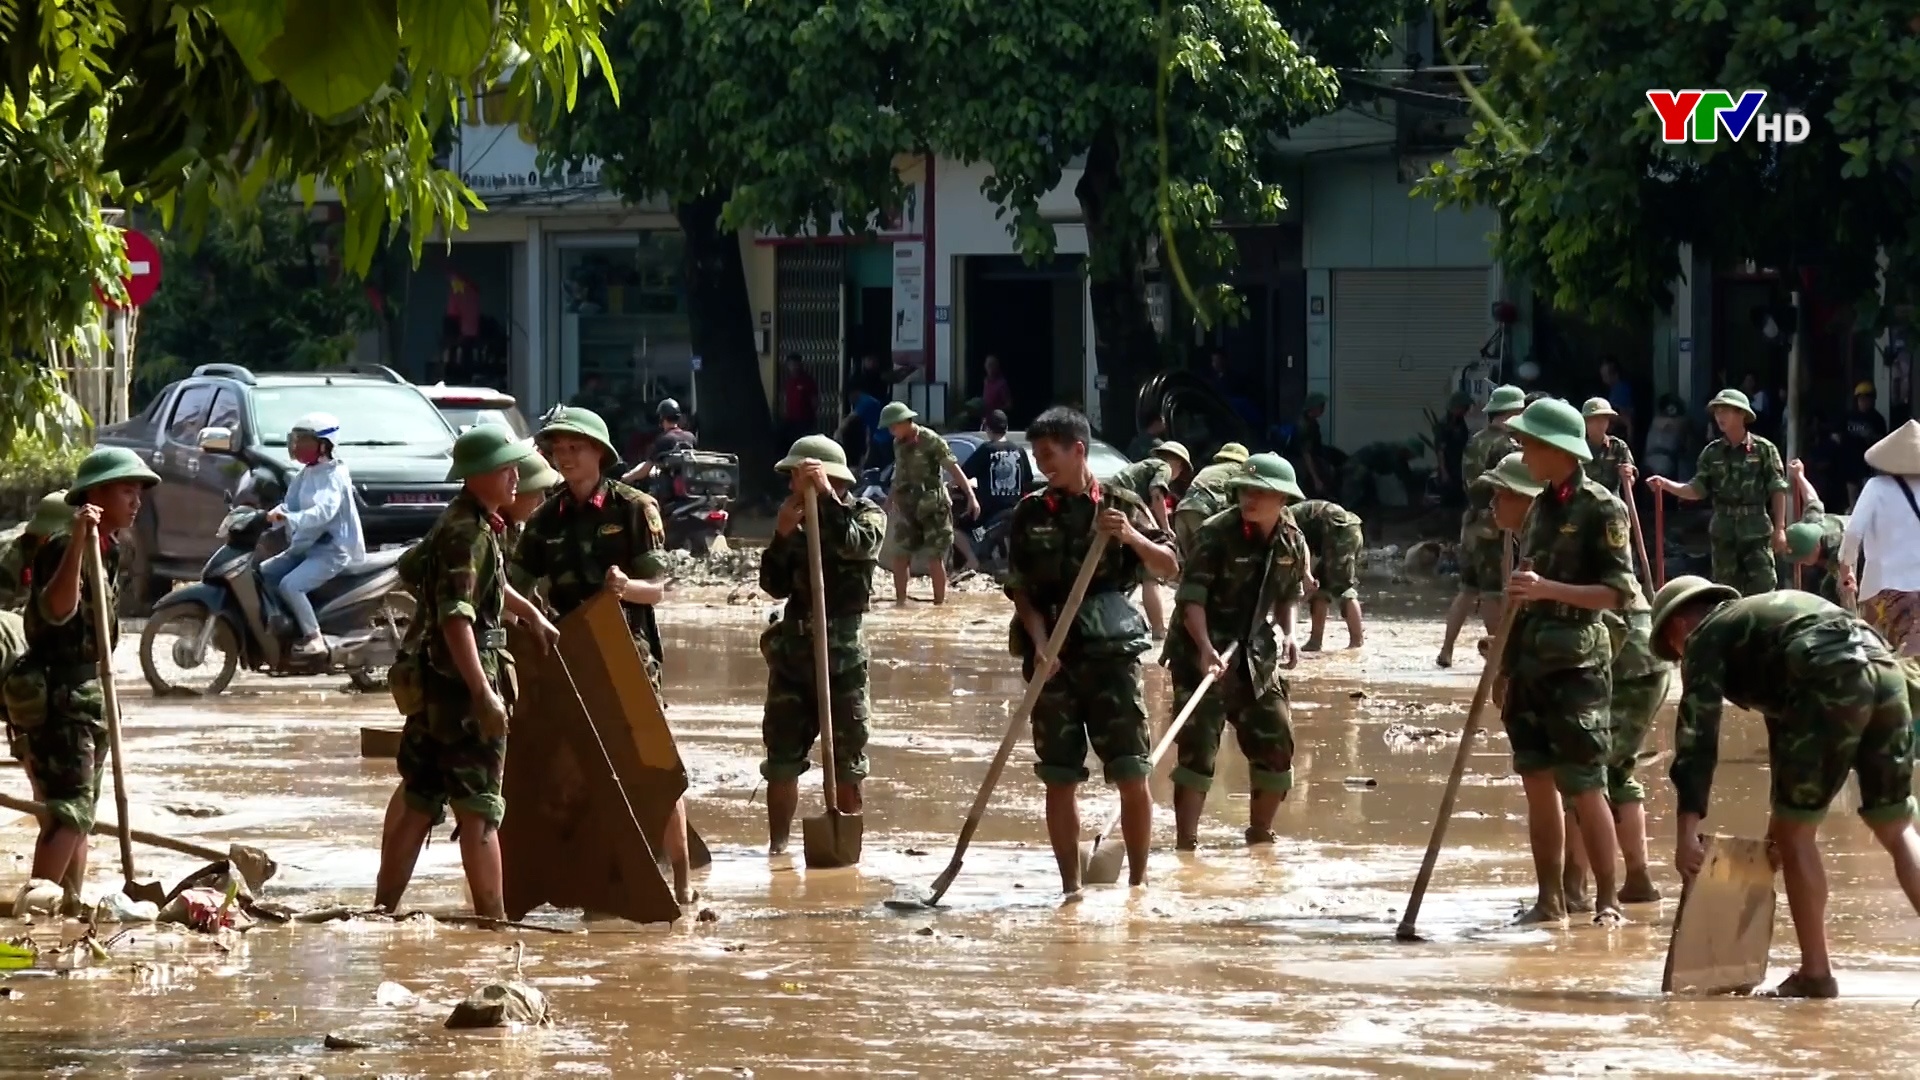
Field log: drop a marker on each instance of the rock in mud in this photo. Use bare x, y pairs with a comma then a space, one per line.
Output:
1406, 736
394, 996
38, 897
500, 1005
341, 1042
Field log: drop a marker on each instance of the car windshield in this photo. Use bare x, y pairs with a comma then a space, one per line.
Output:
371, 414
465, 417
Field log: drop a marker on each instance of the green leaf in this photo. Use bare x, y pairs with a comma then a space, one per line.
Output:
451, 37
252, 26
334, 54
14, 957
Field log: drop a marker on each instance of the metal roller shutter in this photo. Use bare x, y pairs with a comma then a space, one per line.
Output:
1399, 339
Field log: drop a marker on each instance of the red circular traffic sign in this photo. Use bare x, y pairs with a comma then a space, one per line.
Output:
143, 258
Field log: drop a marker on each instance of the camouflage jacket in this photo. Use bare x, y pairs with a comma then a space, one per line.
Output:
68, 650
16, 570
1740, 481
1209, 494
1833, 528
1238, 577
460, 572
918, 466
851, 534
568, 546
1576, 534
1604, 469
1049, 536
1632, 628
1488, 447
1321, 519
1765, 653
1150, 478
13, 646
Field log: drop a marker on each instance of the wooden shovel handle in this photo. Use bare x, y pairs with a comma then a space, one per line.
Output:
103, 639
1173, 730
1640, 543
822, 669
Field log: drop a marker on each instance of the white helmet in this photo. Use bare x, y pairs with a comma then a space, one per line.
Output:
320, 425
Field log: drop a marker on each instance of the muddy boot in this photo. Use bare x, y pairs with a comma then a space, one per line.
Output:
1639, 888
1187, 804
1798, 985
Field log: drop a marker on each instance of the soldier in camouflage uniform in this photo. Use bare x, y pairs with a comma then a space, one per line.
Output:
1741, 474
449, 682
52, 516
1835, 700
852, 532
1094, 694
1155, 478
595, 534
537, 480
1208, 494
55, 705
1559, 657
1359, 483
922, 508
1481, 544
1814, 540
1246, 572
1611, 455
1335, 536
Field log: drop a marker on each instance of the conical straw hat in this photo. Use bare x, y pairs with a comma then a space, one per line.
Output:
1899, 453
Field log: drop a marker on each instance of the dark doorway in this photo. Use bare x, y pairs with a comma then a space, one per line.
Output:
1011, 314
872, 332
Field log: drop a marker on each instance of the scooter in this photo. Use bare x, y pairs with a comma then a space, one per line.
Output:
694, 488
363, 614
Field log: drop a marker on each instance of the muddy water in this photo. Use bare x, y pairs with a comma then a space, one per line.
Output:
1232, 963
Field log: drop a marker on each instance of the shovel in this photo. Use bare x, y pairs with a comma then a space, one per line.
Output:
1100, 861
1042, 667
256, 867
136, 890
1639, 539
1723, 928
833, 838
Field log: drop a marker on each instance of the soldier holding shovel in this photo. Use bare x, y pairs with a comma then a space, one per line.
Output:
1835, 699
1246, 563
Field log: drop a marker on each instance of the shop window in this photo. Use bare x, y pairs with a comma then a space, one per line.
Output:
625, 338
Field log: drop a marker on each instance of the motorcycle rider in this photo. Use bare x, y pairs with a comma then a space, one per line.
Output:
324, 536
672, 439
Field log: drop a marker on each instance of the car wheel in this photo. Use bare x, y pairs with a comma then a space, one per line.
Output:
138, 587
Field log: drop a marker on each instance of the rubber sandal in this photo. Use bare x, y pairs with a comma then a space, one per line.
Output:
1798, 985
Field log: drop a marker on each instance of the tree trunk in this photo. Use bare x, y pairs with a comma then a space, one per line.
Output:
1126, 349
733, 415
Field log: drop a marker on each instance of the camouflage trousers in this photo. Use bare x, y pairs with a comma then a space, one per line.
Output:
1481, 559
445, 761
923, 525
1561, 720
1636, 701
1097, 701
791, 721
1746, 565
1857, 718
67, 753
1262, 720
1336, 564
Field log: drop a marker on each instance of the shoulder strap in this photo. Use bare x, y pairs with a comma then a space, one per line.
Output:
1908, 492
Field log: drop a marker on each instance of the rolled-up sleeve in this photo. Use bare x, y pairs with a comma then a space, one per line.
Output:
1696, 732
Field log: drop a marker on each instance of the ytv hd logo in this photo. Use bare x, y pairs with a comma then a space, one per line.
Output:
1700, 115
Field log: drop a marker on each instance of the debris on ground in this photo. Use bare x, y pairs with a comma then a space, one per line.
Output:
335, 1041
39, 897
1408, 737
500, 1005
206, 910
116, 907
392, 995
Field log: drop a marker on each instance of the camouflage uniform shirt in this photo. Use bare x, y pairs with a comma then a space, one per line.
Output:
460, 571
1576, 534
1225, 575
1604, 469
852, 531
918, 468
569, 545
1150, 478
1207, 494
1823, 578
16, 570
1741, 481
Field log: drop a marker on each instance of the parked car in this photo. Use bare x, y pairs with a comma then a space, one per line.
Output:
218, 439
1103, 458
470, 406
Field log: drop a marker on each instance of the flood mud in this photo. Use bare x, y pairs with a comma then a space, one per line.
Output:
1233, 962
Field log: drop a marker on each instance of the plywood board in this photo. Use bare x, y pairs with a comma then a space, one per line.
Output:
1723, 929
571, 837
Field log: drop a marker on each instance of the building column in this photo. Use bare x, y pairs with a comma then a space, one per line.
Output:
536, 388
1320, 343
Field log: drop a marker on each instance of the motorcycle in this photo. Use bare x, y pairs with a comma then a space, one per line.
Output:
363, 614
694, 489
989, 539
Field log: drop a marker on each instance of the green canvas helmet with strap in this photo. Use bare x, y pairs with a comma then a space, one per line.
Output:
1504, 400
1803, 539
52, 515
897, 412
1677, 594
485, 448
1555, 423
536, 474
1733, 399
108, 465
820, 448
1511, 474
1597, 406
1269, 472
584, 423
1231, 454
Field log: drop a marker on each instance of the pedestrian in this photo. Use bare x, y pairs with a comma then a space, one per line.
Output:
1885, 528
55, 705
996, 392
870, 378
1450, 446
1610, 452
322, 517
673, 439
50, 516
1245, 575
852, 531
448, 679
855, 431
1154, 479
1835, 700
1314, 465
921, 506
1813, 542
1558, 664
799, 398
1208, 494
594, 534
1094, 694
1000, 474
1482, 545
1864, 427
1335, 536
1742, 475
1359, 483
1620, 397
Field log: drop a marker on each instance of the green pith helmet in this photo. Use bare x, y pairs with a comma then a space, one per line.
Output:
1269, 472
574, 420
820, 448
1733, 399
1597, 406
1176, 451
51, 516
1677, 594
484, 448
537, 475
107, 465
1314, 401
1505, 399
1231, 454
1555, 423
1803, 539
897, 412
1512, 475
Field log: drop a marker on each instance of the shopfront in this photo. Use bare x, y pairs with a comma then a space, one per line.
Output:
619, 308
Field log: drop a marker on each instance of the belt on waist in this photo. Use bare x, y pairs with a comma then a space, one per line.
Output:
493, 639
1555, 610
1739, 508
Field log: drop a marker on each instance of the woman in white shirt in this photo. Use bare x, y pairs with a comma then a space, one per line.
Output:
1886, 525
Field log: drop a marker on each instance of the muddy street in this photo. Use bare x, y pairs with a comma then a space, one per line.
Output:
1233, 962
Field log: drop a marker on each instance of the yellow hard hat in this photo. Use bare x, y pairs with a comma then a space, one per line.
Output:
1865, 389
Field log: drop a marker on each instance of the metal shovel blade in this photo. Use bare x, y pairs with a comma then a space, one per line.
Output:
1723, 928
832, 840
255, 866
147, 890
1100, 860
